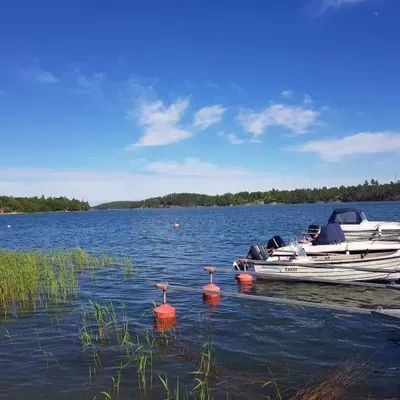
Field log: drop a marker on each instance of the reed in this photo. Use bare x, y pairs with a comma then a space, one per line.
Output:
331, 384
202, 375
143, 355
29, 278
169, 393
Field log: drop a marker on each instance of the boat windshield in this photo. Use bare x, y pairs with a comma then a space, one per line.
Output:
347, 216
362, 216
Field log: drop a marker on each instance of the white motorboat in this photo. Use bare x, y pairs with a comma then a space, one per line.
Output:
328, 258
356, 226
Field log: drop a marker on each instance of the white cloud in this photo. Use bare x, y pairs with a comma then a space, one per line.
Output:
38, 75
161, 124
46, 77
90, 83
287, 94
319, 7
295, 118
307, 100
233, 139
230, 137
340, 3
194, 167
359, 143
208, 116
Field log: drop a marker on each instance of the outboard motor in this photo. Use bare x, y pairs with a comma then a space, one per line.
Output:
275, 243
314, 231
257, 252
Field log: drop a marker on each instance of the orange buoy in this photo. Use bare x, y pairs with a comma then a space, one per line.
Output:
211, 290
245, 279
245, 287
164, 311
211, 301
163, 325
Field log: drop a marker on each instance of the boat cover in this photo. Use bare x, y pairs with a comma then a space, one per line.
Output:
347, 216
330, 234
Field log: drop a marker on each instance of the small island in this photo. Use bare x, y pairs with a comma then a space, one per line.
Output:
16, 205
369, 191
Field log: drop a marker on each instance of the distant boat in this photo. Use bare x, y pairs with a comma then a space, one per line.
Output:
328, 258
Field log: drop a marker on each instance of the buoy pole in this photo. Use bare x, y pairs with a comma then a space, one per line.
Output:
211, 292
164, 314
244, 278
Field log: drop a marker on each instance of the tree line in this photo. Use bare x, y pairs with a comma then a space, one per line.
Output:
369, 191
40, 204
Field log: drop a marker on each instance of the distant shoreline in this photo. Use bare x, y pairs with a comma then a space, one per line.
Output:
242, 205
39, 212
369, 191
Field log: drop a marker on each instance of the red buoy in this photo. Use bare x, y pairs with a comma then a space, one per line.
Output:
164, 311
244, 279
211, 290
163, 325
212, 301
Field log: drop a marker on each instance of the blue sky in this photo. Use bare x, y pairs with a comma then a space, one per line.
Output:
130, 99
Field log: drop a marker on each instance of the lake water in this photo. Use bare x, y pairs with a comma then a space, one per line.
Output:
262, 340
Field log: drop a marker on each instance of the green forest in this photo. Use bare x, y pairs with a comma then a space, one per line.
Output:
369, 191
40, 204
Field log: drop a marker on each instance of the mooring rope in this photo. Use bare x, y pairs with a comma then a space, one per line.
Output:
280, 300
277, 300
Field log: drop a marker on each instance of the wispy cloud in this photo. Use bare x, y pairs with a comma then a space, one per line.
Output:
161, 124
287, 94
307, 100
88, 83
319, 7
340, 3
360, 143
208, 116
233, 139
295, 118
230, 137
194, 167
36, 74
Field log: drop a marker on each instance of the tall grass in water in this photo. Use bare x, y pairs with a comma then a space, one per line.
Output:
106, 327
202, 388
31, 277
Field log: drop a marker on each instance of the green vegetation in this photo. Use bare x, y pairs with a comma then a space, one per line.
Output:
201, 377
369, 191
31, 277
41, 204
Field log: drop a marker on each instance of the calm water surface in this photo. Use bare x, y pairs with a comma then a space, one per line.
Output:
250, 337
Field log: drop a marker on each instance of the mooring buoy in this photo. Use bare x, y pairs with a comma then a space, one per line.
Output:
211, 292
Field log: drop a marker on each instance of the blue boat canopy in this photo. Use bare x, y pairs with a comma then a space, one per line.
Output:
330, 234
347, 216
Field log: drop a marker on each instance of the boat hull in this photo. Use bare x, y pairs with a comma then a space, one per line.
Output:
383, 267
372, 230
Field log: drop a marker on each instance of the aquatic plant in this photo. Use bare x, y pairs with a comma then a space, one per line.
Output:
331, 384
28, 278
169, 395
202, 376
